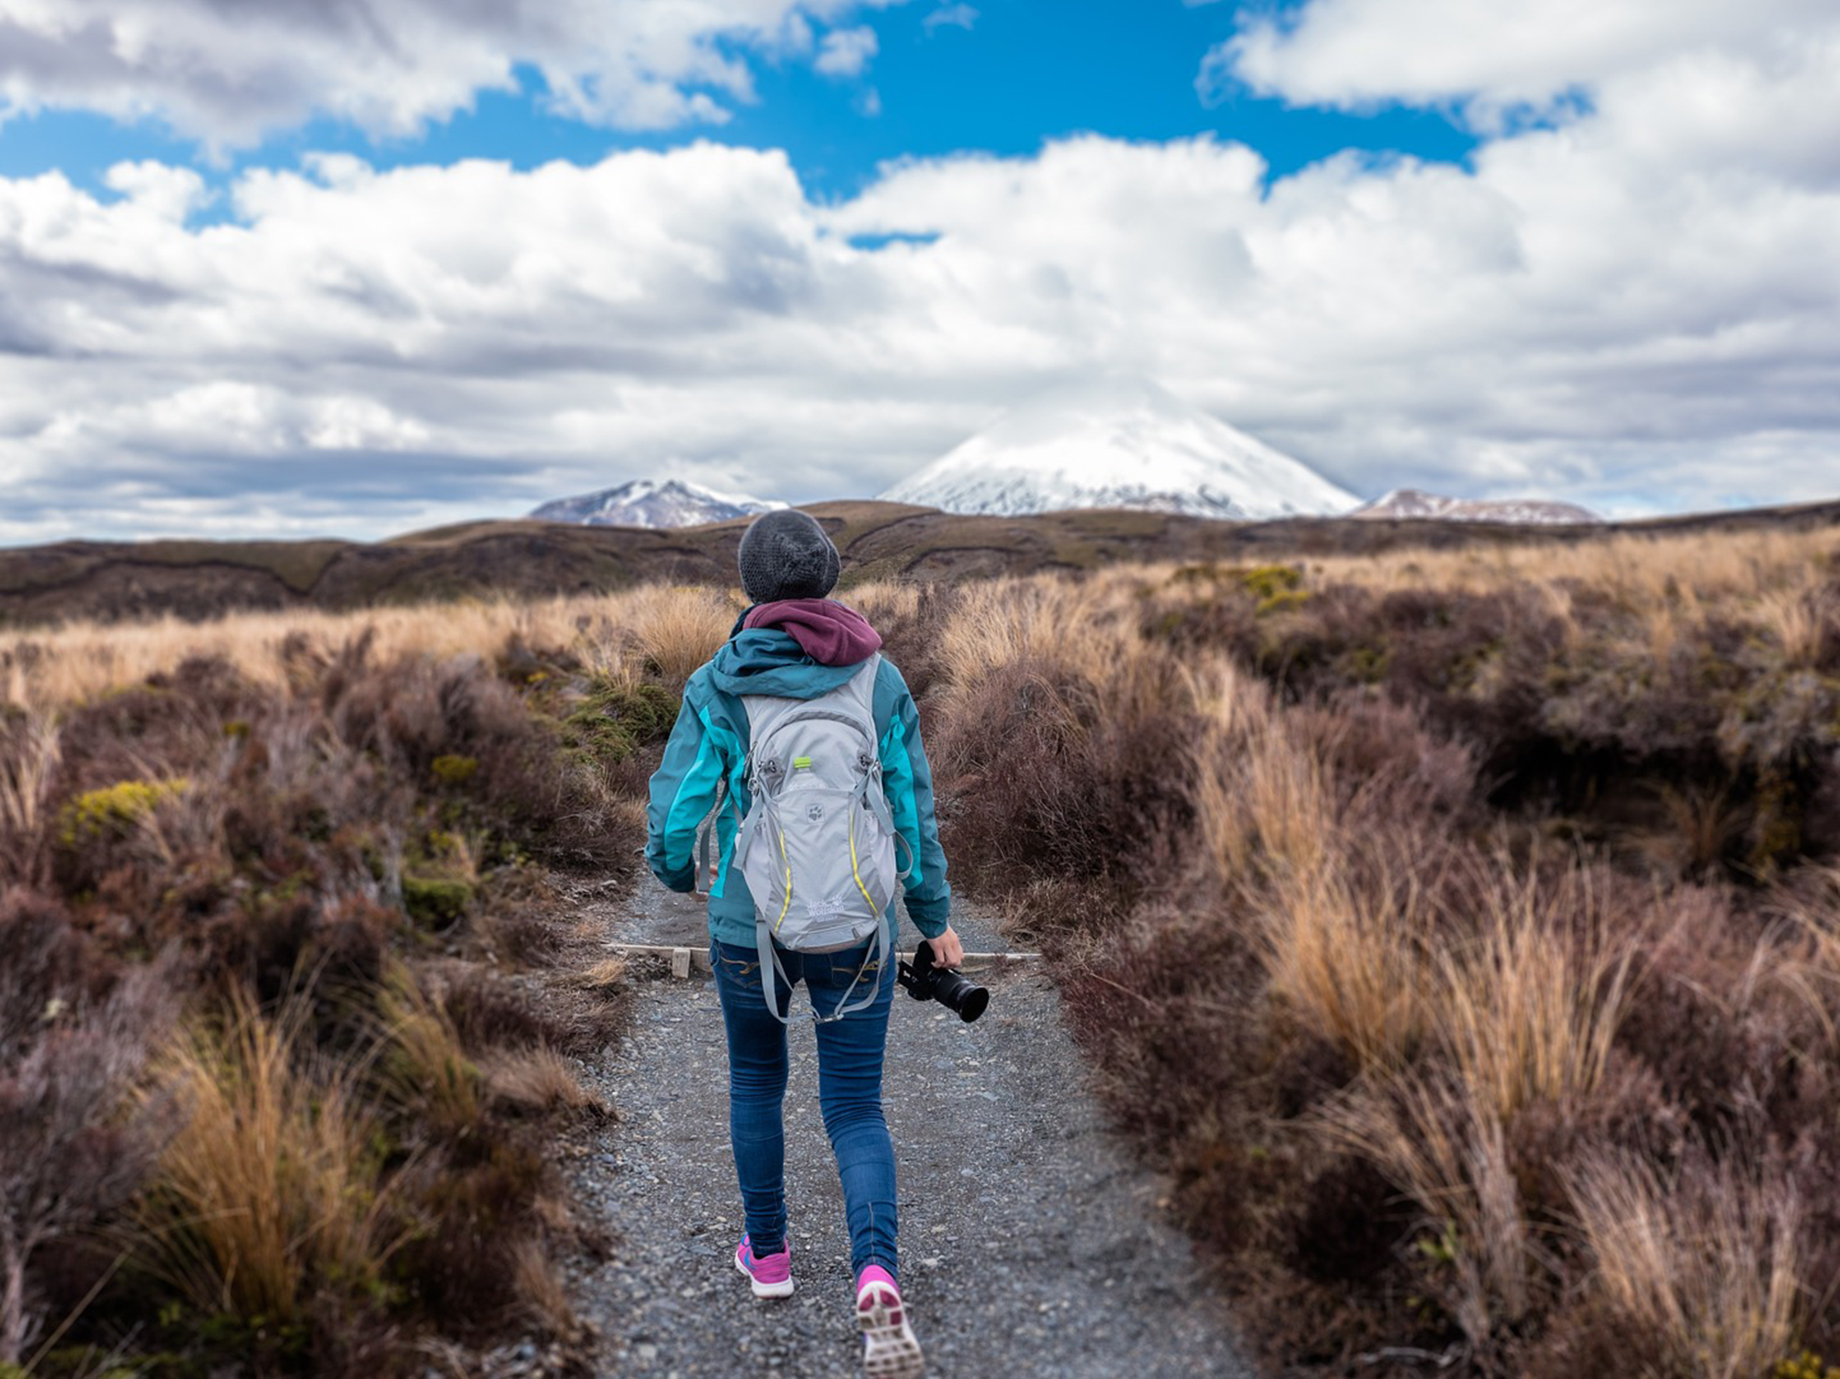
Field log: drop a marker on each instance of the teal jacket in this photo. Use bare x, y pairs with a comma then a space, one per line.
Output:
708, 749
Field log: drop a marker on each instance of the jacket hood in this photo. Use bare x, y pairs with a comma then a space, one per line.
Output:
831, 633
770, 661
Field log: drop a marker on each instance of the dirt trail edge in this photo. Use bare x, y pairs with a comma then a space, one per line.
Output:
1030, 1242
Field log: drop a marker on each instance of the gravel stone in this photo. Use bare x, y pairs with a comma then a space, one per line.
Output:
1031, 1243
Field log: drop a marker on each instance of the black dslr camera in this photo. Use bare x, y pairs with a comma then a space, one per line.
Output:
947, 985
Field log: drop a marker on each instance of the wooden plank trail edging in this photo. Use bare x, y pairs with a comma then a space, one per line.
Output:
683, 960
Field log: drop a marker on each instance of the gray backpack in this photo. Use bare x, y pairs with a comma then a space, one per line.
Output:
817, 844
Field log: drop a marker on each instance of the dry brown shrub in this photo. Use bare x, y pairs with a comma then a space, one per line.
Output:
1718, 1012
1051, 774
473, 1214
1061, 738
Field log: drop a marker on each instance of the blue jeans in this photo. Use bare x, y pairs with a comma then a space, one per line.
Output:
849, 1092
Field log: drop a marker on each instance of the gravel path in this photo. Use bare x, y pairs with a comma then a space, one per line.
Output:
1030, 1243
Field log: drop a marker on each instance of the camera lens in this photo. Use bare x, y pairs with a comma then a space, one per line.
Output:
956, 991
950, 987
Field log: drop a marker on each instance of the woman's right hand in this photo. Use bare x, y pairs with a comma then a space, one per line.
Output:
947, 950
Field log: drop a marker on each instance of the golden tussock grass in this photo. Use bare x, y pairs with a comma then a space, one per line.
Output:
1641, 569
1666, 584
1529, 1009
883, 600
1045, 622
537, 1079
1348, 959
422, 1063
273, 1189
1263, 802
1809, 966
1450, 1154
603, 975
677, 628
25, 773
1704, 1270
540, 1288
1797, 618
1342, 944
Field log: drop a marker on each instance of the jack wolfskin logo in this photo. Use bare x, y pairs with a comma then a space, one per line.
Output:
821, 910
814, 812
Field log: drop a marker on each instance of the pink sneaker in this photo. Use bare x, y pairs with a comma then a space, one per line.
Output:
770, 1276
889, 1348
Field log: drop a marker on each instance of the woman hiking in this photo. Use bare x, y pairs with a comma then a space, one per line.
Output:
794, 646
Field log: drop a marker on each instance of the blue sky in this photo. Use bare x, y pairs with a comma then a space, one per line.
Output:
801, 247
1002, 78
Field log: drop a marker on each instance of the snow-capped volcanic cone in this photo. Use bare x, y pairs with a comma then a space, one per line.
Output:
1409, 502
650, 503
1119, 443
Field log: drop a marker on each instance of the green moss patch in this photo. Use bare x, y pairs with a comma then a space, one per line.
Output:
435, 900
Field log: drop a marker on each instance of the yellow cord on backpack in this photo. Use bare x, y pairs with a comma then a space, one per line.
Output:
780, 834
854, 870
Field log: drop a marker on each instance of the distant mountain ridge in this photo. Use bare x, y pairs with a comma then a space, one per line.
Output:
1119, 443
1411, 502
653, 504
195, 579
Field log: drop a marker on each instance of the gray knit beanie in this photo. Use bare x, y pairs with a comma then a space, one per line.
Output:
786, 555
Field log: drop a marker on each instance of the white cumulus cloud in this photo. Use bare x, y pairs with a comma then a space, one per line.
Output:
845, 52
950, 16
228, 72
1496, 57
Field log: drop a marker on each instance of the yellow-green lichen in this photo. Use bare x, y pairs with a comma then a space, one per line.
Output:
454, 770
1807, 1365
114, 809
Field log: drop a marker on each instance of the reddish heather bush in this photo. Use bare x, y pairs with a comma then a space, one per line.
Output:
1732, 1041
491, 1012
155, 729
1383, 754
1052, 777
75, 1032
476, 1210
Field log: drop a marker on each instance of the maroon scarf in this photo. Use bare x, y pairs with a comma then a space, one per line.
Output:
827, 631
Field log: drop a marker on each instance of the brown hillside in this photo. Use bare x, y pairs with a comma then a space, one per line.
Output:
200, 579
